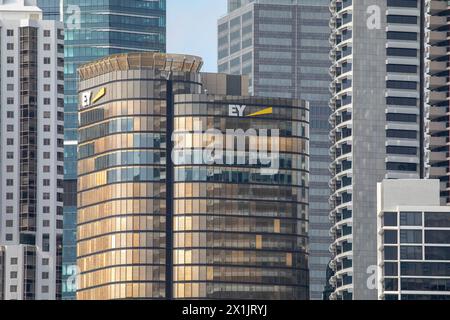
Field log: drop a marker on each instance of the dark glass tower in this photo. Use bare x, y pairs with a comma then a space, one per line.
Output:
95, 29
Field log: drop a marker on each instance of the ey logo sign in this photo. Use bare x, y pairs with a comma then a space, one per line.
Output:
236, 110
87, 99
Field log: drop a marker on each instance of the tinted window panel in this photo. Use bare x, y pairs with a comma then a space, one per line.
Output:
437, 236
437, 219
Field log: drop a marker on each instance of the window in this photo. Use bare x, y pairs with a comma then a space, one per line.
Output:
390, 253
411, 218
401, 134
46, 209
46, 196
46, 182
390, 236
9, 210
401, 117
397, 35
401, 150
46, 128
410, 236
9, 223
399, 166
14, 261
410, 253
44, 289
13, 289
47, 60
10, 155
10, 60
45, 275
10, 73
47, 114
10, 87
9, 237
390, 219
46, 33
9, 182
10, 128
46, 223
46, 101
13, 275
46, 155
10, 33
10, 101
46, 87
401, 52
401, 68
9, 169
437, 219
47, 74
10, 114
46, 142
45, 261
10, 46
406, 85
46, 242
402, 19
437, 253
47, 46
9, 196
437, 236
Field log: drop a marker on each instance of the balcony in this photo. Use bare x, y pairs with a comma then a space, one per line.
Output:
436, 82
436, 97
436, 66
436, 36
435, 52
438, 171
434, 7
434, 22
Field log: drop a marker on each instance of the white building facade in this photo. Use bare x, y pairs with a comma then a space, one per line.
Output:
31, 152
413, 237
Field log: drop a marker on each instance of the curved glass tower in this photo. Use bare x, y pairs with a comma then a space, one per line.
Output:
153, 228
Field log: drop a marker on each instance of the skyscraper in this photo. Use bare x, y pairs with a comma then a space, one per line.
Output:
437, 92
31, 158
377, 124
157, 220
283, 46
95, 30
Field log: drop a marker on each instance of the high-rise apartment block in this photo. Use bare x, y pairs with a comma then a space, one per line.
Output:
32, 152
378, 127
156, 219
413, 241
283, 46
437, 95
95, 30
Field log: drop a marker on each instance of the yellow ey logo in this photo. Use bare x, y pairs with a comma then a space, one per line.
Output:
238, 111
87, 97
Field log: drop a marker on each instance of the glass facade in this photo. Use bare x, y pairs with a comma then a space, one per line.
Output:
415, 255
95, 29
283, 46
151, 228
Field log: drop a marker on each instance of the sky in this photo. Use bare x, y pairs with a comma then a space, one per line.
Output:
192, 28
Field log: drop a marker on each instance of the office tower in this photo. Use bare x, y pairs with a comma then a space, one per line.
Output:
157, 220
437, 91
94, 30
377, 123
31, 158
413, 241
283, 46
51, 9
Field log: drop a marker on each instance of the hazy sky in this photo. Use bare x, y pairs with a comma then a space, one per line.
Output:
192, 28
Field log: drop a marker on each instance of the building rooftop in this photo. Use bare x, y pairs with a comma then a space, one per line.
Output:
139, 60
